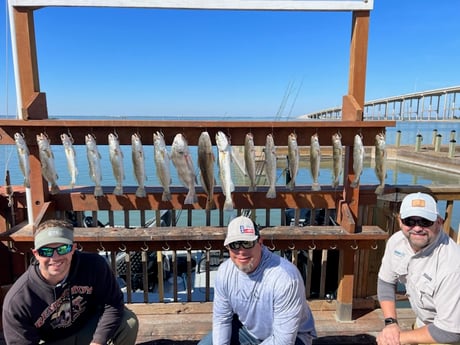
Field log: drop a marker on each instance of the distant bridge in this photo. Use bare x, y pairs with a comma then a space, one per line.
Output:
432, 105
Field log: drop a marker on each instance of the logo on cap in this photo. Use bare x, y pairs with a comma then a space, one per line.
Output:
245, 230
418, 203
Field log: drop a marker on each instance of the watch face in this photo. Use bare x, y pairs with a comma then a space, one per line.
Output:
390, 320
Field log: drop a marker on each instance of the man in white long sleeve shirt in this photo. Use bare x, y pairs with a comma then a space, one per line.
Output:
259, 296
427, 261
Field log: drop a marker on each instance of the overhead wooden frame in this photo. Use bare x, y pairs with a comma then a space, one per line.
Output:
288, 5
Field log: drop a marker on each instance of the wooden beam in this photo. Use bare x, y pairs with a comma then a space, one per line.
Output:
358, 61
310, 5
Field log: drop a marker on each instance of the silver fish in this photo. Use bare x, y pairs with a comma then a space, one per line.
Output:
94, 161
23, 157
358, 159
380, 160
337, 158
315, 161
182, 160
67, 142
270, 166
206, 164
250, 161
47, 162
293, 159
116, 159
225, 172
138, 158
162, 163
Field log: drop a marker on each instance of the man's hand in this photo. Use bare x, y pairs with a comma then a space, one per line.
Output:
389, 335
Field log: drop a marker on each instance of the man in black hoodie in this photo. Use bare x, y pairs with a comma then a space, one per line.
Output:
66, 296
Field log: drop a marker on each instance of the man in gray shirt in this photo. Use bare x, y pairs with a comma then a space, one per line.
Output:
427, 261
259, 296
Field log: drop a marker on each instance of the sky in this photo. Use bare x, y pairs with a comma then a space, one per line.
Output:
225, 64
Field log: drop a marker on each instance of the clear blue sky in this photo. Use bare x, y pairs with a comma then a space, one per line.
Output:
139, 62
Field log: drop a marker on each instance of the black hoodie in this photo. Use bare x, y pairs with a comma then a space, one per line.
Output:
33, 310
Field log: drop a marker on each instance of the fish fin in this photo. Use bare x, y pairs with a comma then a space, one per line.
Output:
251, 189
271, 194
355, 183
118, 190
228, 205
98, 191
210, 205
140, 192
54, 189
166, 196
315, 186
379, 190
191, 198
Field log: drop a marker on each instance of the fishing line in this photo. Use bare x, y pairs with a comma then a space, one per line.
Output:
8, 148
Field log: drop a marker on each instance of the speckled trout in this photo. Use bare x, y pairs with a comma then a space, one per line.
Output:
206, 165
23, 157
47, 162
225, 172
94, 162
116, 159
162, 163
380, 166
293, 159
315, 160
182, 160
358, 160
67, 142
337, 158
138, 158
270, 166
250, 161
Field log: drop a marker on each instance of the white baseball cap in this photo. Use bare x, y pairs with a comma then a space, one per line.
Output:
419, 205
241, 229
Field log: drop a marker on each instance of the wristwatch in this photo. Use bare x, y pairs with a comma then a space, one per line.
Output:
390, 320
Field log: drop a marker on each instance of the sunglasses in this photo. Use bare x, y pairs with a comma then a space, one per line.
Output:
245, 244
422, 222
48, 252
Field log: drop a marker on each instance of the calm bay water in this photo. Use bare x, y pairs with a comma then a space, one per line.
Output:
397, 172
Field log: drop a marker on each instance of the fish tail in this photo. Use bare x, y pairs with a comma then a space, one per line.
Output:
98, 191
210, 205
228, 205
335, 183
355, 183
252, 188
271, 194
118, 190
191, 197
54, 189
315, 186
166, 196
379, 190
291, 185
140, 192
26, 182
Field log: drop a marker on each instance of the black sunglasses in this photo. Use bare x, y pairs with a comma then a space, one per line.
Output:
411, 222
48, 252
245, 244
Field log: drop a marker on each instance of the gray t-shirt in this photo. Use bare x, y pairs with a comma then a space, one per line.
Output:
431, 277
270, 302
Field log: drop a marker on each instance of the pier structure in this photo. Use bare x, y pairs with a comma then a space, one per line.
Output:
432, 105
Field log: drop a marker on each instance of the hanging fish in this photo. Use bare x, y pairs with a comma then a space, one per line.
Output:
337, 158
162, 163
358, 159
23, 157
47, 162
67, 142
293, 159
138, 158
116, 159
206, 165
270, 166
250, 161
94, 161
182, 160
225, 172
380, 160
315, 160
